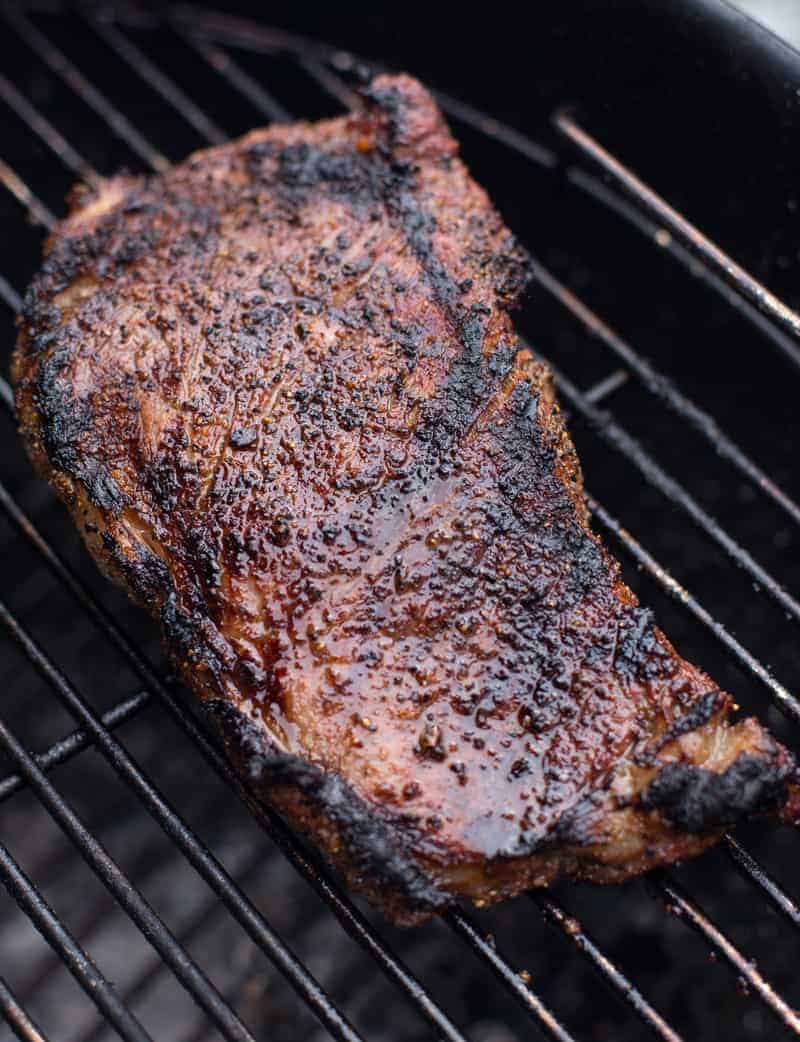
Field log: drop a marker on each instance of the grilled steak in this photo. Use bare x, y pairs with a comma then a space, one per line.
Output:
280, 392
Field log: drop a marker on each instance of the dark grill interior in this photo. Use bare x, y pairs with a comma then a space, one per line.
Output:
135, 857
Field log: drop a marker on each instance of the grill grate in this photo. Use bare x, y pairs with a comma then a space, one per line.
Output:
211, 37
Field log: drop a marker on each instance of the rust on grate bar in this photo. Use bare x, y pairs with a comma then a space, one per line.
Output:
609, 972
684, 908
678, 224
78, 962
21, 1023
662, 387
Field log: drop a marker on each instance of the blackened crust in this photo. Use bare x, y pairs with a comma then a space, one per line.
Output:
367, 850
696, 800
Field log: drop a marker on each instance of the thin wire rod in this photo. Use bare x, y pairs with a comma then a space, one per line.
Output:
20, 1021
138, 909
604, 424
755, 873
263, 39
58, 62
514, 982
201, 919
316, 69
80, 965
152, 75
628, 212
10, 297
699, 243
45, 130
38, 212
151, 859
785, 701
204, 862
608, 971
231, 71
75, 742
351, 919
663, 388
607, 386
689, 912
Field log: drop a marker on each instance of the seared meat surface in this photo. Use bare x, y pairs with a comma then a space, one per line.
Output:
279, 389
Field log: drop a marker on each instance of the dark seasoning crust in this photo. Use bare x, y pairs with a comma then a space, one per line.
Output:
280, 392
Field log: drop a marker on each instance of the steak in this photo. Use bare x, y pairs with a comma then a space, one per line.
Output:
280, 392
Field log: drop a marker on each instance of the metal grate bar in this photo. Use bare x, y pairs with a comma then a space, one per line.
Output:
605, 388
682, 906
619, 439
75, 742
230, 70
662, 387
720, 261
80, 965
331, 84
207, 866
138, 909
85, 90
158, 80
150, 859
38, 212
514, 982
10, 297
16, 1017
620, 205
747, 865
607, 970
45, 130
200, 920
